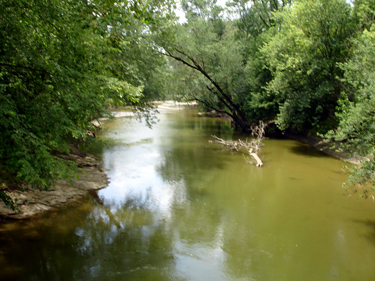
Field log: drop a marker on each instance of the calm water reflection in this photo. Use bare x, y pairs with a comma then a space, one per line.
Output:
179, 208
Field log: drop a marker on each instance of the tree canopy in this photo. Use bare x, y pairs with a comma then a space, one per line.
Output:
303, 65
61, 64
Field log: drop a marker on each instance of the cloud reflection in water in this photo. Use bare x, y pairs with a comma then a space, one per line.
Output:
136, 184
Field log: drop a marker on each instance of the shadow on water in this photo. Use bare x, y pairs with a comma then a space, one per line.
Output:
307, 151
181, 208
370, 224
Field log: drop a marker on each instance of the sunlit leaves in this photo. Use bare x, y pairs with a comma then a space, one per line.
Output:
356, 129
120, 92
62, 63
303, 54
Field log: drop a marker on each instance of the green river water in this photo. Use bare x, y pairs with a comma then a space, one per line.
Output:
181, 208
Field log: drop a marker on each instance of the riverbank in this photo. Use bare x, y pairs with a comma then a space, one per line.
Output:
33, 202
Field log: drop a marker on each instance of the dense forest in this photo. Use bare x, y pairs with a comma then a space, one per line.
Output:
304, 65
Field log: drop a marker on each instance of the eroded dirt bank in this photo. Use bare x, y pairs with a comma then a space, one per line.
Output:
33, 202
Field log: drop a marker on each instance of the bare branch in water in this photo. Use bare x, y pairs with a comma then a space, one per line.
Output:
253, 147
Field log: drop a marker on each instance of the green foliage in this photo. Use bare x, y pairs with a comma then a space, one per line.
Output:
308, 64
210, 59
61, 64
364, 11
356, 129
303, 52
258, 103
9, 201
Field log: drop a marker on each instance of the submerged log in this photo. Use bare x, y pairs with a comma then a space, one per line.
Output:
256, 157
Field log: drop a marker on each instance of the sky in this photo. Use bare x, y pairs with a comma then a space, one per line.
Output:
181, 14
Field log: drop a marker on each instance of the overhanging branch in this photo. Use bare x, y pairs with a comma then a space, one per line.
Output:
214, 108
237, 115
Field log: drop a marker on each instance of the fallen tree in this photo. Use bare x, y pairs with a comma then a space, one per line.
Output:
253, 146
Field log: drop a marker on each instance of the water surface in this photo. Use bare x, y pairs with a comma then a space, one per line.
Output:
180, 208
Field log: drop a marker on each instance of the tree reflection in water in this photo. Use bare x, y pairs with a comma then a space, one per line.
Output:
178, 208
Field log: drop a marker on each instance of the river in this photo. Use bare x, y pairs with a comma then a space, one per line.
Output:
181, 208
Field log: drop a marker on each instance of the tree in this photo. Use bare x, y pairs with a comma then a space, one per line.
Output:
303, 53
255, 19
212, 58
221, 65
356, 129
59, 68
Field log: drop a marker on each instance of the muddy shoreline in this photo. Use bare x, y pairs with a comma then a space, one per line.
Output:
33, 202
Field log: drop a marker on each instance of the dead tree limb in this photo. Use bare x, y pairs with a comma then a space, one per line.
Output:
253, 147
